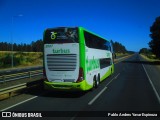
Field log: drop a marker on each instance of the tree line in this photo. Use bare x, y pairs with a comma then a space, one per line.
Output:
38, 47
33, 47
118, 47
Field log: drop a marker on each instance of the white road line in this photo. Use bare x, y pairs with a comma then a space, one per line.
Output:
94, 99
19, 103
113, 79
154, 89
117, 76
74, 117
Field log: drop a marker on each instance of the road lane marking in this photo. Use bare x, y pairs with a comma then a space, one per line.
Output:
19, 103
96, 97
113, 79
154, 89
117, 76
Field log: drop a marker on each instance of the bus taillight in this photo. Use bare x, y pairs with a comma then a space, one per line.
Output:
81, 76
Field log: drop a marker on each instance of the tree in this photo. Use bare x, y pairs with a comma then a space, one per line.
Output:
154, 44
118, 47
144, 51
37, 46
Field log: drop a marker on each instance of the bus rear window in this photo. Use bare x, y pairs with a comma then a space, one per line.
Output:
61, 35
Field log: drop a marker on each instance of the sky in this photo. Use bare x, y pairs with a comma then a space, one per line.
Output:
125, 21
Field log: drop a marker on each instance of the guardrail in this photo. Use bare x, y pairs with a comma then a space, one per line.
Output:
8, 92
18, 89
12, 77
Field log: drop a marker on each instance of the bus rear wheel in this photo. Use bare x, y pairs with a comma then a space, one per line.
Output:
95, 82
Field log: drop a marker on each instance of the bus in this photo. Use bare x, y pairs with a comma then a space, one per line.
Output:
75, 59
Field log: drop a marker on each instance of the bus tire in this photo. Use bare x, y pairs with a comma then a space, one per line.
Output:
99, 79
95, 82
111, 71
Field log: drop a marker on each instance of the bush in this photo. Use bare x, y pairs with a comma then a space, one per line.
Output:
20, 59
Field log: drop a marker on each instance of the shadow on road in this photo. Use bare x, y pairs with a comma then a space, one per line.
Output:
39, 91
63, 94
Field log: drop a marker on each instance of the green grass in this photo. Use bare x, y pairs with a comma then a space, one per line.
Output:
150, 57
21, 59
121, 54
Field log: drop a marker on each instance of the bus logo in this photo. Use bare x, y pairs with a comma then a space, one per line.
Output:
53, 35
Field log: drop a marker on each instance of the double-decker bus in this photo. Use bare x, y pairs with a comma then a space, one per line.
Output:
75, 59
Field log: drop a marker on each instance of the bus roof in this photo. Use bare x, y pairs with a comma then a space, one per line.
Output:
82, 28
93, 33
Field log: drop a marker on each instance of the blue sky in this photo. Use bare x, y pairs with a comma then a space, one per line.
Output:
124, 21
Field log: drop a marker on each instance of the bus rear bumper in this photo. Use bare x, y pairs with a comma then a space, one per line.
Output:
65, 86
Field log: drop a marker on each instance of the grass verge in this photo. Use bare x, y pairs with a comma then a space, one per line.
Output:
20, 59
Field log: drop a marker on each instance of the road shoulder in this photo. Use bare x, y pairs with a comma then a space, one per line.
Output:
152, 69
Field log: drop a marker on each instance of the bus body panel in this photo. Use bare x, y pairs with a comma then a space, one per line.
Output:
62, 62
108, 73
67, 86
93, 66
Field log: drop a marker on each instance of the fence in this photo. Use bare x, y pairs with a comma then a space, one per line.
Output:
22, 75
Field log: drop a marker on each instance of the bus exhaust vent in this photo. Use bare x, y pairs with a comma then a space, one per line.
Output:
61, 62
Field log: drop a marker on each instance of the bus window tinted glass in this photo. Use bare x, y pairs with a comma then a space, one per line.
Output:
61, 35
93, 41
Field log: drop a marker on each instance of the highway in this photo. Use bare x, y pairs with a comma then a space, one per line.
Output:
133, 87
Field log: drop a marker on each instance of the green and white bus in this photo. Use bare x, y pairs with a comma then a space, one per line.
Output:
75, 59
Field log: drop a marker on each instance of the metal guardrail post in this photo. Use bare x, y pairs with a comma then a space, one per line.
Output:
29, 74
10, 94
4, 78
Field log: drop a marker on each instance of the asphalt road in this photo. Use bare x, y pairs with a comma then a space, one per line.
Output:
129, 89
